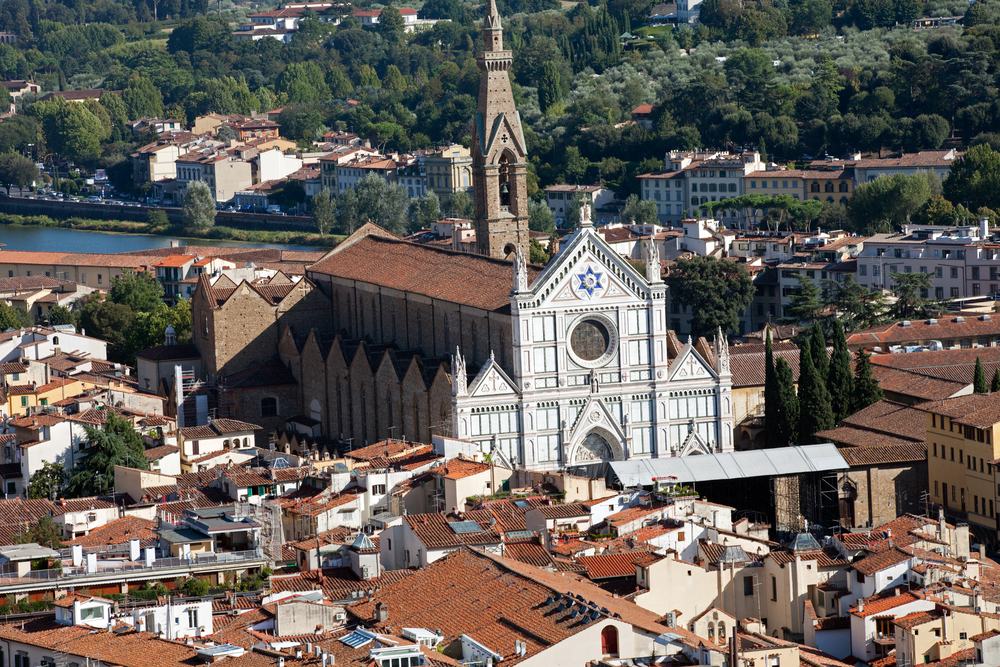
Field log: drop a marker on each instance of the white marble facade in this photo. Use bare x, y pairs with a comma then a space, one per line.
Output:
594, 377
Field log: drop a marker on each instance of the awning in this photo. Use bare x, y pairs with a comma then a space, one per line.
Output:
731, 465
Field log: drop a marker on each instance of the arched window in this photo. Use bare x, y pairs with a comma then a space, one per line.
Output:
393, 311
475, 341
843, 200
711, 631
204, 331
829, 186
246, 442
268, 407
609, 641
375, 320
416, 419
225, 444
315, 411
420, 330
722, 633
55, 340
815, 187
504, 181
843, 186
830, 199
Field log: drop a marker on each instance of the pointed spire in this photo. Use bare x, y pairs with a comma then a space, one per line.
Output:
492, 19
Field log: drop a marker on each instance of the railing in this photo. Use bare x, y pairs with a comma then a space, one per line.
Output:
883, 638
71, 572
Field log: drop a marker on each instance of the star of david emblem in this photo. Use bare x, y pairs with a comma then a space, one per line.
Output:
590, 281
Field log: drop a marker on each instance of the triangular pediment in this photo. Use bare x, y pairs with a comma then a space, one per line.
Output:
588, 271
595, 414
503, 132
693, 445
690, 366
492, 381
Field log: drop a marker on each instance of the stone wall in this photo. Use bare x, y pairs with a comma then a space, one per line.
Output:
875, 495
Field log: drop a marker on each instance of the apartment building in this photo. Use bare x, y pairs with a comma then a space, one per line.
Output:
938, 161
962, 453
947, 254
448, 170
560, 198
223, 173
706, 176
341, 155
389, 169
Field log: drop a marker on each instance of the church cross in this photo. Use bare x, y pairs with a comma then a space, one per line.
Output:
504, 137
691, 364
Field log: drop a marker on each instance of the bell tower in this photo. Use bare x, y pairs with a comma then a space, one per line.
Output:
499, 157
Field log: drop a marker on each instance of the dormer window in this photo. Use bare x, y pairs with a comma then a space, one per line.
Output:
91, 613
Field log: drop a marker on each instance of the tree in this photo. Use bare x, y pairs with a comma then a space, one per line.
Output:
716, 291
770, 391
815, 410
806, 302
995, 384
639, 211
117, 444
393, 79
549, 87
303, 83
979, 384
142, 98
324, 210
17, 170
537, 254
108, 321
840, 380
199, 206
427, 211
818, 348
139, 290
974, 178
47, 482
60, 315
784, 420
911, 291
390, 24
866, 389
889, 201
383, 203
44, 532
458, 205
13, 318
540, 218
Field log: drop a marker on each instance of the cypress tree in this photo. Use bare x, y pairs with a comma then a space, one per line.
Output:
995, 385
979, 379
786, 413
866, 389
815, 411
818, 348
770, 395
839, 380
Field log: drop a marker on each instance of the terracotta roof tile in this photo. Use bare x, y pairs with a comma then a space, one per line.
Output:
457, 277
435, 531
121, 531
607, 566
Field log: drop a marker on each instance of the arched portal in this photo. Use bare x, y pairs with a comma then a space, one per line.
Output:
595, 447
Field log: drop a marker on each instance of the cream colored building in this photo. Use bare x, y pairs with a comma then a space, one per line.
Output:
961, 455
449, 170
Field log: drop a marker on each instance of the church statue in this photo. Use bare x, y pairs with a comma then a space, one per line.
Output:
520, 271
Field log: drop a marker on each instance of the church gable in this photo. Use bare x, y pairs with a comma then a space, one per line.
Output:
587, 273
694, 445
504, 132
492, 381
690, 366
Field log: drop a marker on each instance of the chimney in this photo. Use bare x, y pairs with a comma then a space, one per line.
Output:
984, 227
942, 525
381, 613
861, 606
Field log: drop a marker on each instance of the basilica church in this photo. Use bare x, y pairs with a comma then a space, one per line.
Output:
539, 367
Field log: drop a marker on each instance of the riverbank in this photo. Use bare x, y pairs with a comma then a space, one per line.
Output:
214, 233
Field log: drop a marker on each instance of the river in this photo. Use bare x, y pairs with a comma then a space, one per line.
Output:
72, 240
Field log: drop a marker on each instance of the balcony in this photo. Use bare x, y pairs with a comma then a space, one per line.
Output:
883, 639
120, 569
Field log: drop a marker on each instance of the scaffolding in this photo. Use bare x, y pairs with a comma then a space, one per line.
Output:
268, 515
